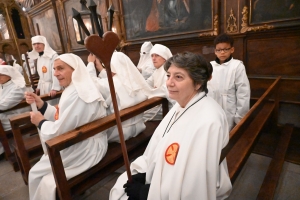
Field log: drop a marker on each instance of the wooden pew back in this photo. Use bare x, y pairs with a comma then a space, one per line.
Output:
113, 158
244, 135
6, 136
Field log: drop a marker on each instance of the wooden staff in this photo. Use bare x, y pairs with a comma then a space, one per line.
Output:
103, 48
29, 71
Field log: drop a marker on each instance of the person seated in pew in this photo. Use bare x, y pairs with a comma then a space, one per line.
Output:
128, 83
157, 81
181, 160
145, 65
80, 103
12, 88
94, 62
230, 79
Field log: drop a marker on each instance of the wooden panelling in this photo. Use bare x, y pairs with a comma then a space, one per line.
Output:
274, 55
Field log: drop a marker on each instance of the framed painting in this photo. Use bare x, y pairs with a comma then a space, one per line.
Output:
274, 11
161, 19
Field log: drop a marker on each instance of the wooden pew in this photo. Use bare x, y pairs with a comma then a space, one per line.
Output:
67, 189
244, 135
268, 188
7, 136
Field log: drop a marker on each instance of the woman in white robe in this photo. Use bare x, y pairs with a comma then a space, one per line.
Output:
181, 160
157, 81
45, 55
12, 88
145, 65
80, 103
128, 83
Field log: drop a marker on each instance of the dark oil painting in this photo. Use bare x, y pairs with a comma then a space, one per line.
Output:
263, 11
161, 18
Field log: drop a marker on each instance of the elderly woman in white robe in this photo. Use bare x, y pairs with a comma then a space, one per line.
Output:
80, 103
181, 160
12, 88
145, 65
157, 80
128, 83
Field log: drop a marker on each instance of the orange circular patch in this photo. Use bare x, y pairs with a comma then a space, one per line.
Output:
56, 116
171, 153
44, 69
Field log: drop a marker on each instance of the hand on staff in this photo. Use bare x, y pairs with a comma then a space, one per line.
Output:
32, 97
37, 91
36, 117
52, 93
91, 58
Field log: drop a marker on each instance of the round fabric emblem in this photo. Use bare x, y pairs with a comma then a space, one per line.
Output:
44, 69
56, 116
171, 153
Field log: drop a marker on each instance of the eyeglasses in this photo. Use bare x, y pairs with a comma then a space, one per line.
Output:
224, 50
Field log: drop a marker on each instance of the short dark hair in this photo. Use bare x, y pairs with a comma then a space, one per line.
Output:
223, 38
196, 65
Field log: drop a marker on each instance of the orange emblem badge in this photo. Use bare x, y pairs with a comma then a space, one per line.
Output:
171, 153
44, 69
56, 116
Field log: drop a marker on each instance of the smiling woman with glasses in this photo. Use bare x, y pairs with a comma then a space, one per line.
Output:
230, 81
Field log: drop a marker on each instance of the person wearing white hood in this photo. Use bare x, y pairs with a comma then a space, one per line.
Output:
12, 88
181, 160
145, 65
45, 55
80, 103
129, 85
159, 54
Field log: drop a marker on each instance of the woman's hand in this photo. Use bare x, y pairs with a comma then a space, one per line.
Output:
91, 58
36, 117
32, 97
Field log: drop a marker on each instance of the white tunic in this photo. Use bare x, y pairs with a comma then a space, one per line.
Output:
47, 81
73, 112
10, 95
131, 127
231, 81
201, 132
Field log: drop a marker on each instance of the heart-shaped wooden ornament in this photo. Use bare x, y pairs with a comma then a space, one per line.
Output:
104, 47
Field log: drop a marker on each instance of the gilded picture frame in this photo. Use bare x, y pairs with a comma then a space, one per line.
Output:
276, 12
166, 19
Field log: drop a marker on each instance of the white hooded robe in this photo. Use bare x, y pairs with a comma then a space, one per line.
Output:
231, 82
80, 103
128, 93
201, 132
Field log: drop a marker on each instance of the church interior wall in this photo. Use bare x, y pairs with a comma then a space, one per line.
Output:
267, 43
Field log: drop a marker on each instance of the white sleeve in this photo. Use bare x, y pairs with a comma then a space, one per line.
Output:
150, 81
91, 69
148, 70
242, 86
102, 74
11, 99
